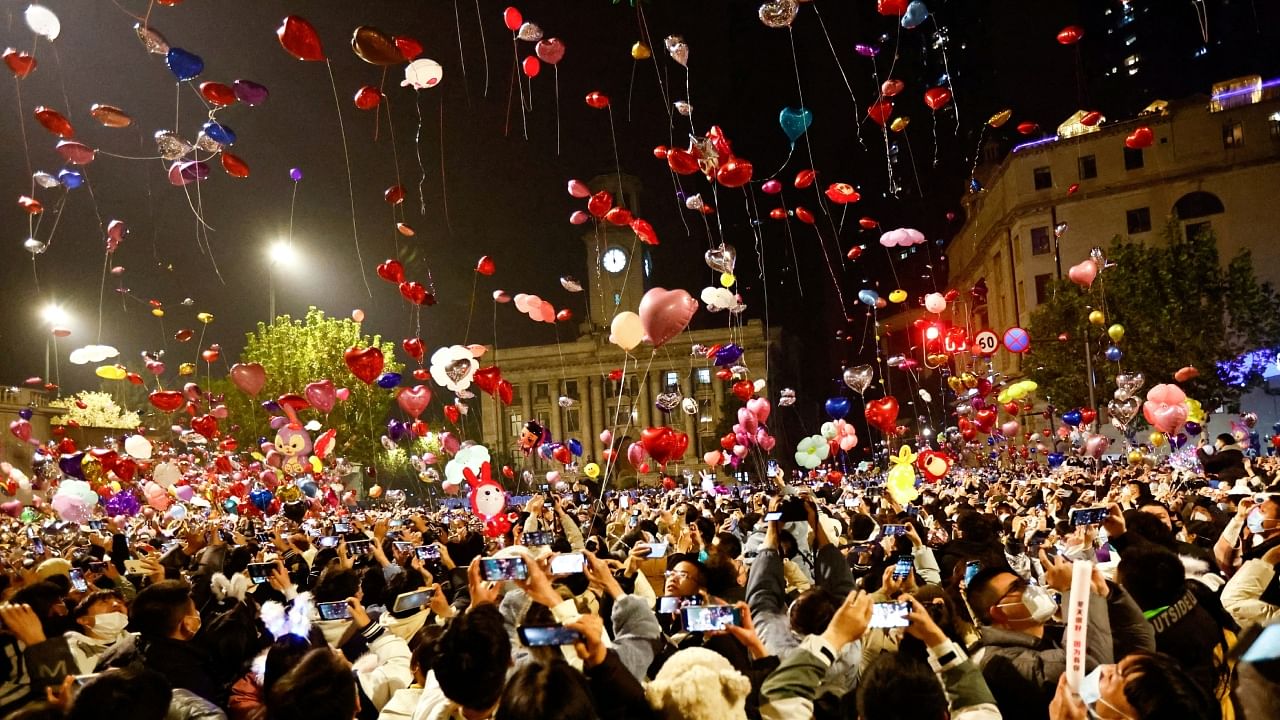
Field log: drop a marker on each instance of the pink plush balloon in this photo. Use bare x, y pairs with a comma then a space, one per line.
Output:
1166, 418
665, 314
322, 395
1167, 393
606, 437
450, 443
1083, 273
740, 450
553, 476
712, 458
342, 394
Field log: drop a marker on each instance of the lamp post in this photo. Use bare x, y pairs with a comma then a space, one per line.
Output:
280, 252
55, 316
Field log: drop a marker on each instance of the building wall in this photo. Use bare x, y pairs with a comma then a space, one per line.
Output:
13, 399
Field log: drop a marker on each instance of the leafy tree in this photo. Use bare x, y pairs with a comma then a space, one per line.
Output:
100, 411
295, 353
1178, 306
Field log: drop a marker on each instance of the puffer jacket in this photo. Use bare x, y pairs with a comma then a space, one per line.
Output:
381, 661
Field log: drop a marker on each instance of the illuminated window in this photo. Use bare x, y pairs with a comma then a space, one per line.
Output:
517, 424
1233, 135
672, 379
1132, 60
1130, 40
1040, 240
572, 420
704, 376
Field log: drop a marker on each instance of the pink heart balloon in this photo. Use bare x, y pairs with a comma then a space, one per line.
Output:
635, 454
322, 395
1096, 445
1083, 273
765, 441
414, 400
249, 377
712, 458
760, 407
747, 420
219, 411
606, 437
342, 394
740, 450
1167, 393
664, 314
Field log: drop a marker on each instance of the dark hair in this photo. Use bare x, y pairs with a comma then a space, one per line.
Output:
692, 559
553, 689
1159, 689
1153, 576
812, 611
976, 527
1226, 438
237, 560
373, 587
981, 595
472, 658
131, 693
320, 687
158, 610
729, 544
41, 596
424, 644
283, 654
336, 583
94, 598
37, 711
899, 687
1149, 527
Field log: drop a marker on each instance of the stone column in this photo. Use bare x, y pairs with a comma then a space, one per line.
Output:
596, 421
591, 433
526, 401
690, 421
554, 413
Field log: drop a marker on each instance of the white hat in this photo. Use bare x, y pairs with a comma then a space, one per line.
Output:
699, 684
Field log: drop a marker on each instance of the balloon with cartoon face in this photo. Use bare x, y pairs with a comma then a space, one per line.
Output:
294, 443
531, 436
488, 500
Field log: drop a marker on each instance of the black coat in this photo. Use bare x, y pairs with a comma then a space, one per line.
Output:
184, 664
1226, 464
1188, 632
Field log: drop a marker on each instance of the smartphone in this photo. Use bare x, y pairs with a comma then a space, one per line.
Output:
31, 532
1037, 541
772, 468
37, 545
1261, 644
913, 511
428, 552
568, 564
135, 567
97, 524
773, 516
538, 537
971, 568
657, 550
546, 635
1088, 516
902, 569
260, 572
342, 528
328, 541
401, 547
675, 603
395, 522
893, 530
851, 502
514, 568
890, 615
709, 618
99, 567
337, 610
411, 600
359, 547
77, 580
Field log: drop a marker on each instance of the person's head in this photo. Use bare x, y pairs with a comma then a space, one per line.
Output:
1264, 519
102, 614
812, 610
727, 545
698, 684
337, 583
472, 659
1150, 526
320, 687
132, 693
542, 690
166, 610
45, 598
1153, 576
424, 645
1223, 440
283, 654
1160, 510
1003, 599
685, 576
1151, 686
899, 687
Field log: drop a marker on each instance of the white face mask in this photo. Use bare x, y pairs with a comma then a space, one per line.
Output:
1039, 604
109, 626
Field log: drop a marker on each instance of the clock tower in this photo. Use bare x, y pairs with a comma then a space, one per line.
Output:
617, 264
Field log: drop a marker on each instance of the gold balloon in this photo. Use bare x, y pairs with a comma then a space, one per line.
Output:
727, 279
1000, 118
205, 317
640, 51
1157, 438
158, 312
970, 381
1135, 457
1116, 332
187, 369
1097, 318
898, 296
900, 123
110, 372
289, 493
91, 467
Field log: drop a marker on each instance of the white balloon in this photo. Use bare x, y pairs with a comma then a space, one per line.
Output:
42, 21
422, 73
138, 447
166, 474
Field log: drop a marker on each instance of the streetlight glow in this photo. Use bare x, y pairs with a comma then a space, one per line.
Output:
54, 314
281, 253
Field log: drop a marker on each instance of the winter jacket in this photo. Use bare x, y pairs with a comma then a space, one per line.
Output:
1188, 633
1022, 671
25, 672
88, 650
615, 691
1226, 464
789, 693
405, 628
381, 661
184, 663
402, 704
186, 705
247, 699
1242, 595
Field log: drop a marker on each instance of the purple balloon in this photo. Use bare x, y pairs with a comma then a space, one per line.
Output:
123, 503
397, 430
728, 355
271, 406
70, 465
295, 174
866, 50
194, 170
25, 413
249, 92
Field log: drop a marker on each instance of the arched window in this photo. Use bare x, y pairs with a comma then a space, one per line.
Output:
1197, 204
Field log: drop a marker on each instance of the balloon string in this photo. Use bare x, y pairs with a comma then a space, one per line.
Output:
857, 125
417, 146
391, 130
808, 146
511, 93
556, 69
946, 68
207, 244
129, 157
753, 213
462, 57
515, 75
444, 187
351, 190
616, 160
57, 217
475, 278
102, 292
795, 258
22, 124
484, 46
844, 308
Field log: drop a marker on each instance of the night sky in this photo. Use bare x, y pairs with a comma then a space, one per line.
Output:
506, 195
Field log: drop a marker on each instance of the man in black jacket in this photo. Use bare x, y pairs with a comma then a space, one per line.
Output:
1225, 462
167, 621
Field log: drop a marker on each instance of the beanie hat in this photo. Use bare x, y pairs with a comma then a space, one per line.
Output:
51, 567
699, 684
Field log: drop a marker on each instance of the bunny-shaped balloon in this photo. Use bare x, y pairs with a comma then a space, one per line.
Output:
488, 500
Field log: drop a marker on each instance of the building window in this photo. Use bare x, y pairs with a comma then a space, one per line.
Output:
542, 392
517, 424
571, 389
706, 423
1132, 60
1138, 220
1040, 240
671, 379
704, 376
1042, 288
1198, 229
1274, 121
1133, 159
1043, 178
1088, 167
572, 420
515, 394
1197, 204
1233, 135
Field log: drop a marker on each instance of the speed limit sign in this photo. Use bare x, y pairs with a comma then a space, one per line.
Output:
985, 343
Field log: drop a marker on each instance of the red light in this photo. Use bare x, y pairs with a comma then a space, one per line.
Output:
932, 333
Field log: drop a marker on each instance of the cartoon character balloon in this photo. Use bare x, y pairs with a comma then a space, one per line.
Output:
531, 436
901, 478
488, 500
293, 447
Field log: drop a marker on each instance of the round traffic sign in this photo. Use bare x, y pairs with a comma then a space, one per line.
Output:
1016, 340
985, 343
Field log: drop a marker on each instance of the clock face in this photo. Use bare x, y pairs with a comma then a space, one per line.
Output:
614, 260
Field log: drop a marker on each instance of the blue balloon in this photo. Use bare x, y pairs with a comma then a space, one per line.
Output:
575, 447
388, 380
184, 65
231, 506
916, 14
837, 407
794, 122
219, 133
868, 297
271, 406
309, 488
1056, 459
25, 413
1072, 417
1114, 354
261, 498
70, 179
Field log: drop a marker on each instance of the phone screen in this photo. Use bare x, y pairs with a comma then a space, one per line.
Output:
428, 552
395, 522
773, 516
401, 546
971, 568
37, 545
538, 537
338, 610
544, 635
328, 541
342, 528
359, 547
1088, 516
894, 530
77, 580
411, 600
260, 572
902, 570
890, 615
675, 603
657, 550
494, 569
709, 618
568, 564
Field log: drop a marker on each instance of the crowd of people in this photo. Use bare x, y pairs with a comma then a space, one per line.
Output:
814, 598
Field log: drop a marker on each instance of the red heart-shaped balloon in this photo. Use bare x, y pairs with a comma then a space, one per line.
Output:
364, 363
414, 292
20, 63
486, 378
728, 441
1140, 138
743, 390
206, 425
391, 271
414, 400
506, 393
985, 419
413, 346
1088, 415
882, 414
167, 400
126, 469
409, 48
486, 266
562, 454
452, 413
1012, 407
421, 374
